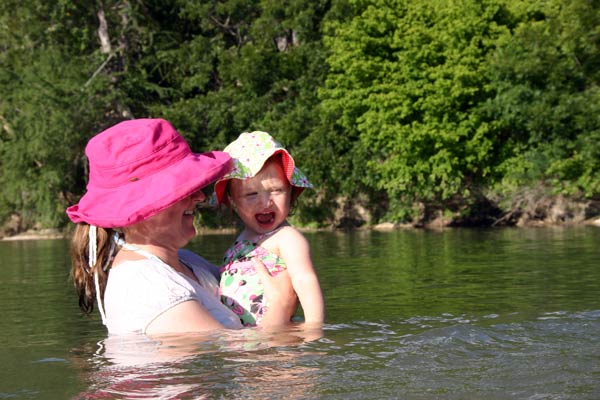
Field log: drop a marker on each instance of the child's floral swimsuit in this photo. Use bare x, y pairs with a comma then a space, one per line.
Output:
240, 287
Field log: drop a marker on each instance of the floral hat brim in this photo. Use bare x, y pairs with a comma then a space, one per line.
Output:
249, 152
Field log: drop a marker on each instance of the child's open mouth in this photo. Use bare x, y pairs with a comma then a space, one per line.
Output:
265, 219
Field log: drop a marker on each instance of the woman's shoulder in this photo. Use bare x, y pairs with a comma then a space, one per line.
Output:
133, 276
130, 268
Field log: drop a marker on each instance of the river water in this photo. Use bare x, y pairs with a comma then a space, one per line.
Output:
453, 314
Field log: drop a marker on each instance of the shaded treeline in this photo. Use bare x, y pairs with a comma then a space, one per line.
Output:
478, 111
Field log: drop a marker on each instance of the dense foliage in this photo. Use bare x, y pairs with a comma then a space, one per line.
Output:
397, 110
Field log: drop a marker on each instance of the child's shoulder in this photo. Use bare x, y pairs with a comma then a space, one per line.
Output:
285, 237
288, 231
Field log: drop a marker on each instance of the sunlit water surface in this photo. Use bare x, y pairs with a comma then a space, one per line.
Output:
456, 314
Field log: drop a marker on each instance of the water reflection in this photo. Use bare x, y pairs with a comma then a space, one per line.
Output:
378, 275
240, 364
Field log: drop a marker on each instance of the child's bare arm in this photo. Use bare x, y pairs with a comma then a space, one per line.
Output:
295, 251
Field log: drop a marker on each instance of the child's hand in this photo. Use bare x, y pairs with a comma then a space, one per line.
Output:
280, 297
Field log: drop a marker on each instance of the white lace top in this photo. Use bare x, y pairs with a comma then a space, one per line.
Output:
139, 291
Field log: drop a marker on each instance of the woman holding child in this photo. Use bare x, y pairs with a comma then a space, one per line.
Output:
132, 223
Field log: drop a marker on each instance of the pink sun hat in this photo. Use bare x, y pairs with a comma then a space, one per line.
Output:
249, 152
138, 168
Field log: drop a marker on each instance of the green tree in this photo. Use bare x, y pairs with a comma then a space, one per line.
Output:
213, 68
44, 107
546, 109
405, 77
245, 66
68, 71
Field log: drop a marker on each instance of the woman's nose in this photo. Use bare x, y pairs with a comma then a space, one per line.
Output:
199, 196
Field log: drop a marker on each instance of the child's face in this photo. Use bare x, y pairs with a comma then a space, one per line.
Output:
263, 201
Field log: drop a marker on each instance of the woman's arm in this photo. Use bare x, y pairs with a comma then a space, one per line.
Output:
189, 316
192, 316
279, 297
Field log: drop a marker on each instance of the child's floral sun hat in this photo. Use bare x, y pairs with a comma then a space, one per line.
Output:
249, 152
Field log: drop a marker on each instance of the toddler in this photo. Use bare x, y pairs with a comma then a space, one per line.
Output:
261, 188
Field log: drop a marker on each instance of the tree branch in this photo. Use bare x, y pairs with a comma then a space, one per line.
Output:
103, 31
99, 69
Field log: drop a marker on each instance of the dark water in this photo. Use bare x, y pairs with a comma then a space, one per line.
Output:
457, 314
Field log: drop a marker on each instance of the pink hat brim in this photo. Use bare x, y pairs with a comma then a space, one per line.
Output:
139, 200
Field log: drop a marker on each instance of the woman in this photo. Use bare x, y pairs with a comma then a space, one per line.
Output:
135, 217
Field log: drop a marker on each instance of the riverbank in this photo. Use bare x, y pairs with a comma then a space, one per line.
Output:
437, 224
57, 234
530, 208
36, 235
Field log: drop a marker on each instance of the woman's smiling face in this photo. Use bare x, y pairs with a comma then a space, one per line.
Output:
173, 227
263, 201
